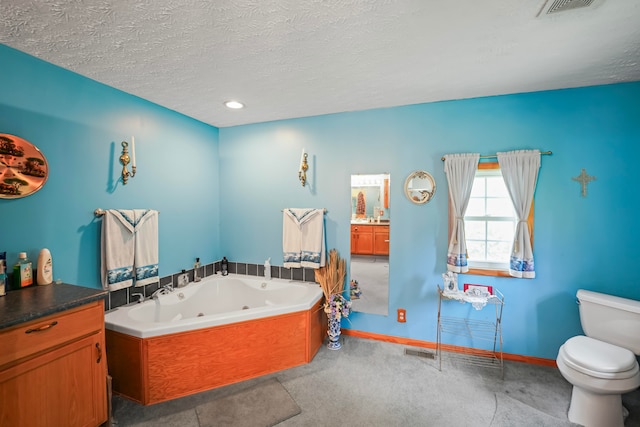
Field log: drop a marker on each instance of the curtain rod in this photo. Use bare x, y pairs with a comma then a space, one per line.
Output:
101, 212
495, 156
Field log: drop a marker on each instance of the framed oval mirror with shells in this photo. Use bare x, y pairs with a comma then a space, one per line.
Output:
419, 187
23, 168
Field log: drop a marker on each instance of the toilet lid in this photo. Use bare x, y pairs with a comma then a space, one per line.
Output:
599, 359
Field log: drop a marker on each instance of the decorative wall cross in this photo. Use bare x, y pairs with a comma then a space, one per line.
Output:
584, 179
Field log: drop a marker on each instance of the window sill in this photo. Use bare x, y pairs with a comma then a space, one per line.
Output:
488, 272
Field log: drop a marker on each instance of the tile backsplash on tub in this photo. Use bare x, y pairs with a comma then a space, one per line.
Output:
123, 296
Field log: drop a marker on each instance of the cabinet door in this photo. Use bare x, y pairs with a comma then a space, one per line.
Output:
354, 236
64, 387
381, 242
362, 239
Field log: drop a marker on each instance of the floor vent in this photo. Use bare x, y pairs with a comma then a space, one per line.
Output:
562, 5
419, 353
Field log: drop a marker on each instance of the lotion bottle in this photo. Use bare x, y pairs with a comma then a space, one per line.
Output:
267, 269
44, 273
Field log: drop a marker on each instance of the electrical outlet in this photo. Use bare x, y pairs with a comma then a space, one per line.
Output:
402, 315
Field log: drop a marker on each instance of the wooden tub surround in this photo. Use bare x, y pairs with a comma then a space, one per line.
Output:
156, 369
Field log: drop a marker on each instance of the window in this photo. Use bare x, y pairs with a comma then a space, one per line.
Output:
490, 222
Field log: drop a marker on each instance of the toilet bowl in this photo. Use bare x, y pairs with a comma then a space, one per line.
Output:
601, 368
600, 374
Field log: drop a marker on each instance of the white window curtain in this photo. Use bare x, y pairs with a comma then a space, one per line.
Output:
520, 173
460, 170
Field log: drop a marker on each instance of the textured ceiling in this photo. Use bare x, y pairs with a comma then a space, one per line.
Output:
297, 58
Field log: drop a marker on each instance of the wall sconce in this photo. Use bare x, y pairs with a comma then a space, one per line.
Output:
304, 167
124, 159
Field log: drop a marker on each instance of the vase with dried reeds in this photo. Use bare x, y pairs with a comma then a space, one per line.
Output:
331, 279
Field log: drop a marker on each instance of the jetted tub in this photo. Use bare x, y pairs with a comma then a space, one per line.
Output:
216, 300
218, 331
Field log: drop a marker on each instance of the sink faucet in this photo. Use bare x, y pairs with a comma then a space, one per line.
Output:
139, 296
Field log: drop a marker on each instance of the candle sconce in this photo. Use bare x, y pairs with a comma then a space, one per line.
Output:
304, 167
125, 159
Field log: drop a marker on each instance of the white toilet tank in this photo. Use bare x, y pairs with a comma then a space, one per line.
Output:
610, 319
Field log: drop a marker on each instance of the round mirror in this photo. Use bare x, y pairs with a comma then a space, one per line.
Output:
419, 187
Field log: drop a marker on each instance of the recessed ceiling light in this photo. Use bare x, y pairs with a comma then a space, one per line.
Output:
235, 105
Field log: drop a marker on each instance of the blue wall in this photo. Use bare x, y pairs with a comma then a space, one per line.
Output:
79, 124
578, 242
222, 192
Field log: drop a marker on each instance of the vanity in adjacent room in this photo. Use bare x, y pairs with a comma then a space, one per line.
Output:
53, 369
369, 262
370, 239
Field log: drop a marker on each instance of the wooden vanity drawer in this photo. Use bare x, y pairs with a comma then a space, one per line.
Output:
47, 332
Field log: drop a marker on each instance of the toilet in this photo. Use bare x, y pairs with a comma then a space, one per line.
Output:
601, 364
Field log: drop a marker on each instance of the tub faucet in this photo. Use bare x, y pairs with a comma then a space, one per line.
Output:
162, 291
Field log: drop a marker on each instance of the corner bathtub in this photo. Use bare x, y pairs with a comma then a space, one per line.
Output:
218, 331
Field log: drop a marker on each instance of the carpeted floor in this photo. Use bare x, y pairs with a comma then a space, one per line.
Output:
372, 274
371, 383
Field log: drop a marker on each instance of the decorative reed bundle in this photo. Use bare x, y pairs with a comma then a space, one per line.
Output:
331, 279
331, 276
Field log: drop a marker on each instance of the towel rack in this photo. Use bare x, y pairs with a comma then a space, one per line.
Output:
101, 212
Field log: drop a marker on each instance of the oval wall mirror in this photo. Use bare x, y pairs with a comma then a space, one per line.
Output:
420, 187
23, 168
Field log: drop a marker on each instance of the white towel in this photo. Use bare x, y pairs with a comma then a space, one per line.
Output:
303, 238
146, 246
117, 248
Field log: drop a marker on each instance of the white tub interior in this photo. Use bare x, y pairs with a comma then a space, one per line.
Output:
214, 301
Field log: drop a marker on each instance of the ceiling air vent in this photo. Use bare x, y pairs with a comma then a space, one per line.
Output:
562, 5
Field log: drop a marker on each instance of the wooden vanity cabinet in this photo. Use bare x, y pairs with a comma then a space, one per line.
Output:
53, 370
381, 240
369, 239
361, 239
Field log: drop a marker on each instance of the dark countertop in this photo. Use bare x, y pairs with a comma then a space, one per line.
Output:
382, 222
31, 303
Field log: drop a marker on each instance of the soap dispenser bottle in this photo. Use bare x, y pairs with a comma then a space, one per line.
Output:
267, 269
224, 266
